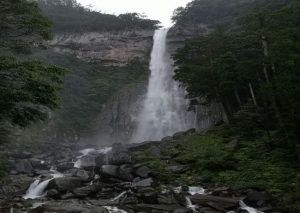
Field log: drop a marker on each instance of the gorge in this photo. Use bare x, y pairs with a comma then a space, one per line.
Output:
117, 114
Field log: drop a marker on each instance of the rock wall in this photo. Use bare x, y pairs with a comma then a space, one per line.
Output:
107, 48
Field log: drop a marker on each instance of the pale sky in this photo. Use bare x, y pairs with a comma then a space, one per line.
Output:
161, 10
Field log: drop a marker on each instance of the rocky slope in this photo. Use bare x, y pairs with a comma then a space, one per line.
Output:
115, 179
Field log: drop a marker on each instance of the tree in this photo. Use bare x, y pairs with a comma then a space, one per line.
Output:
28, 89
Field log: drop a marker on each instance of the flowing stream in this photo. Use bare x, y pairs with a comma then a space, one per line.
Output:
164, 110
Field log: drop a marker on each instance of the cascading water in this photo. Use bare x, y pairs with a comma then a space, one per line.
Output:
37, 188
164, 110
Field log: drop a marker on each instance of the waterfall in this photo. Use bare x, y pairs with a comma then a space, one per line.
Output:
38, 189
164, 110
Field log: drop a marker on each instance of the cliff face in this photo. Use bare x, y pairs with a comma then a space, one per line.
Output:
107, 48
114, 123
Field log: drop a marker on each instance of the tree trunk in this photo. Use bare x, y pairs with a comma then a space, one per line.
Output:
252, 94
238, 99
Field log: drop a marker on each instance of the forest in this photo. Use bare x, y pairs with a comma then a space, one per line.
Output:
251, 67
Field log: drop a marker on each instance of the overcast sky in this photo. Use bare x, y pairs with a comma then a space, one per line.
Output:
155, 9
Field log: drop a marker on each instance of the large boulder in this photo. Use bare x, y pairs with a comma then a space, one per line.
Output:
220, 203
110, 170
88, 161
72, 206
142, 171
85, 191
123, 172
65, 183
24, 167
62, 167
256, 198
143, 183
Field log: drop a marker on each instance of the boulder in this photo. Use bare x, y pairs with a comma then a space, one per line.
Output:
176, 168
84, 191
88, 161
65, 183
39, 164
154, 151
219, 203
142, 171
62, 167
168, 138
178, 135
125, 172
53, 193
143, 183
148, 195
83, 175
22, 155
256, 198
183, 210
110, 170
72, 206
24, 166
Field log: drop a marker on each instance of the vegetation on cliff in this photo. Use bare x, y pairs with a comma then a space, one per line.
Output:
70, 16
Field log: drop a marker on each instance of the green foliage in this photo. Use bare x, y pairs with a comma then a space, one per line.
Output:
28, 88
22, 22
258, 63
70, 16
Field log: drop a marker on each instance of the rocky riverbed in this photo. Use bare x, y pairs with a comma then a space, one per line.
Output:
59, 178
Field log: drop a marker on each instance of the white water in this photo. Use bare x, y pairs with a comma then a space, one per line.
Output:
38, 189
193, 190
164, 110
112, 209
119, 196
248, 209
85, 152
190, 205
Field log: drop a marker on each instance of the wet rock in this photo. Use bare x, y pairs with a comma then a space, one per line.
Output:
148, 195
178, 135
62, 167
84, 191
155, 208
101, 160
65, 183
143, 183
142, 171
39, 164
24, 166
110, 170
120, 158
125, 172
53, 193
83, 175
168, 138
219, 203
22, 155
183, 210
154, 151
72, 206
88, 161
220, 190
176, 168
256, 198
67, 196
